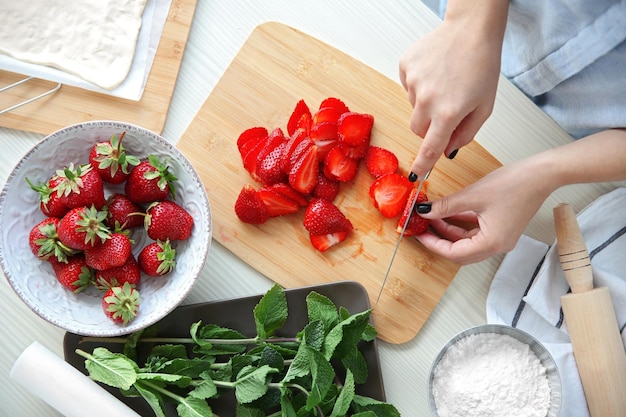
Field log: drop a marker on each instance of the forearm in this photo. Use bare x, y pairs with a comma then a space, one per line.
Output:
600, 157
484, 18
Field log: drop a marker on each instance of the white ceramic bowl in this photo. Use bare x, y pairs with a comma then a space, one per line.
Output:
34, 281
552, 372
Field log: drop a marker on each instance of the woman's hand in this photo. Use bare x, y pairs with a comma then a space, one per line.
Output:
451, 77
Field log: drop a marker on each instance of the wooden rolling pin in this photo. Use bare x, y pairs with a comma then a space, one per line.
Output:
591, 323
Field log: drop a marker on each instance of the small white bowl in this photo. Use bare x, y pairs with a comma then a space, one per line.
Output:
34, 280
552, 372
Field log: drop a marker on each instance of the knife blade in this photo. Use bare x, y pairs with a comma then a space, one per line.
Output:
406, 223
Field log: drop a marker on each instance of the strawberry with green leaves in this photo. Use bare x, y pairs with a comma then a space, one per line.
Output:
74, 274
122, 214
113, 252
111, 160
80, 186
49, 201
167, 220
82, 228
151, 180
129, 273
121, 303
44, 241
157, 258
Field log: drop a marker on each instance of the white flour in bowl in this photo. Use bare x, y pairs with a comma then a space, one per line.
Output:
488, 375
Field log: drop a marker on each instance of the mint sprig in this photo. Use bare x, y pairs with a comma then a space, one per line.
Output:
313, 373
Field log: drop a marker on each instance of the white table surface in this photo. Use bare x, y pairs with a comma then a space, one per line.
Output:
377, 33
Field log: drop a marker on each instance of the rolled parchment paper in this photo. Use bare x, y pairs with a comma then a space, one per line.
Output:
48, 377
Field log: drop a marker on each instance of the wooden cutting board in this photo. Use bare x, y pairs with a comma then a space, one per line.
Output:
71, 105
276, 67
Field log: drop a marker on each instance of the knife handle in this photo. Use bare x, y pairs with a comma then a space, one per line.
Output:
572, 250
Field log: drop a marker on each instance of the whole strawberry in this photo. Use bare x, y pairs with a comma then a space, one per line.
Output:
157, 258
122, 213
49, 201
80, 186
166, 220
44, 241
113, 252
121, 303
74, 274
83, 228
151, 180
129, 273
111, 160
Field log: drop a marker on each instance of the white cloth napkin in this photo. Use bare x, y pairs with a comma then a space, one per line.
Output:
526, 289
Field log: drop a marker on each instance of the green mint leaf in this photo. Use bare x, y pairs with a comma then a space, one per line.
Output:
202, 334
300, 366
313, 335
365, 414
168, 352
345, 397
286, 406
192, 368
344, 337
355, 362
251, 383
270, 313
378, 408
244, 411
110, 368
323, 375
271, 358
205, 389
320, 307
154, 399
181, 381
193, 407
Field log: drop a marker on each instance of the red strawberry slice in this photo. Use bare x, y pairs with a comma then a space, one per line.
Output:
249, 207
303, 173
250, 160
290, 147
286, 191
269, 160
340, 167
380, 161
353, 129
326, 224
324, 135
390, 194
250, 138
334, 103
323, 242
277, 204
417, 224
355, 152
326, 188
300, 118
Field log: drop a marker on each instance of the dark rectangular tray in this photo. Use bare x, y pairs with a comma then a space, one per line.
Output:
237, 314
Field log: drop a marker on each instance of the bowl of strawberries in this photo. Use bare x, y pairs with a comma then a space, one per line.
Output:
105, 227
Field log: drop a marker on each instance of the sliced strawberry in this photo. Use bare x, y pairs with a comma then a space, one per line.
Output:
353, 129
326, 188
303, 173
249, 207
299, 117
340, 167
323, 242
322, 217
417, 224
335, 103
355, 152
250, 138
269, 160
285, 190
250, 160
277, 204
380, 161
324, 135
290, 147
390, 194
327, 114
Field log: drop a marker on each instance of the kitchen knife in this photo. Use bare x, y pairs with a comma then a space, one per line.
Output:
591, 323
406, 222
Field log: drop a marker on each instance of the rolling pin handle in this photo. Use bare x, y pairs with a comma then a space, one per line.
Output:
572, 250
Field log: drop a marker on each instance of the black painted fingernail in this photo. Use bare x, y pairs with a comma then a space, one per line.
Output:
412, 177
453, 154
423, 208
